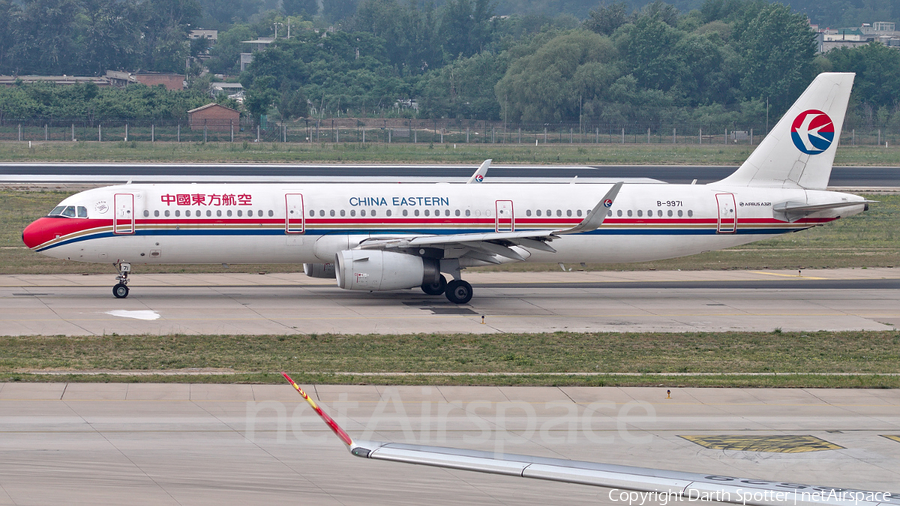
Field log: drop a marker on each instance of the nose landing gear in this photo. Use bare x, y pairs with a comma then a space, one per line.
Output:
120, 291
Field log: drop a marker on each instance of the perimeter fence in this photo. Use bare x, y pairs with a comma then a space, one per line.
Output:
390, 131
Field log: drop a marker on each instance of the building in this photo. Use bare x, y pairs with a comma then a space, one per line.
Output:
880, 31
12, 80
123, 79
212, 35
214, 117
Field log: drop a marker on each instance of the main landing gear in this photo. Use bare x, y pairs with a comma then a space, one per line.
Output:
121, 289
456, 291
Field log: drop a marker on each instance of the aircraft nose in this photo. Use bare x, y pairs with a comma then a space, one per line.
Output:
38, 232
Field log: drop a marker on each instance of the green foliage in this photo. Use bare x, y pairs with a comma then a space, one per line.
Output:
89, 102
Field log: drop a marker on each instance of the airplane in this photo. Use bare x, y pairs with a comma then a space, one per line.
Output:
378, 237
658, 486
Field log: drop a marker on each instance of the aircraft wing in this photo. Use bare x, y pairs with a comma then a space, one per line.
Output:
499, 243
661, 485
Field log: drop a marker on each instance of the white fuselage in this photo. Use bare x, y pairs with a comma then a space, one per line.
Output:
310, 223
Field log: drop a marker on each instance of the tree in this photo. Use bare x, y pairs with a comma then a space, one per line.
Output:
338, 10
466, 27
305, 8
42, 51
226, 54
165, 28
607, 18
551, 83
777, 48
111, 35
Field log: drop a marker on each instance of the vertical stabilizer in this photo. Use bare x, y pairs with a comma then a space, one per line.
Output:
799, 151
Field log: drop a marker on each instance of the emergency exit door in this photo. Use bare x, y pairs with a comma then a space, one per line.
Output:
294, 219
123, 222
727, 213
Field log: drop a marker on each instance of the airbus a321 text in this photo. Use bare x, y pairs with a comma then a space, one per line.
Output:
378, 237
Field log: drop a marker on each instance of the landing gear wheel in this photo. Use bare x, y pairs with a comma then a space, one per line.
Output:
435, 288
459, 291
120, 291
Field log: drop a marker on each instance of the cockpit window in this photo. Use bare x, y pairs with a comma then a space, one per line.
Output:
69, 211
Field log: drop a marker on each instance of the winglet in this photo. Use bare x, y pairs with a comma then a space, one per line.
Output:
328, 420
595, 218
479, 174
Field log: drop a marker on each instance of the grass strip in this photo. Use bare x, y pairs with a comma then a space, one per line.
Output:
275, 152
775, 359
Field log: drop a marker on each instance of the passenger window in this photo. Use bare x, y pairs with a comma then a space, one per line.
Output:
538, 212
457, 212
362, 212
405, 212
446, 212
177, 214
219, 213
629, 213
528, 212
680, 213
579, 213
146, 213
353, 212
187, 213
416, 212
156, 213
640, 213
609, 213
388, 212
669, 213
240, 213
343, 212
468, 212
427, 212
228, 213
659, 213
619, 213
569, 212
329, 212
167, 213
321, 212
208, 213
690, 213
373, 212
311, 213
272, 213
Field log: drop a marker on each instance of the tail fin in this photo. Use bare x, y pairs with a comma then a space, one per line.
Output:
799, 151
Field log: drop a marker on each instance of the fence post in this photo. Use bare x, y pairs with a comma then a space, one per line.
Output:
152, 132
673, 136
879, 136
751, 136
20, 132
257, 132
126, 132
284, 133
648, 135
520, 135
570, 135
726, 136
597, 139
442, 136
46, 133
232, 131
853, 139
364, 135
99, 133
178, 133
545, 135
73, 132
623, 136
467, 135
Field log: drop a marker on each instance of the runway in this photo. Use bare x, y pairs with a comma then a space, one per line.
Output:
253, 304
147, 444
844, 177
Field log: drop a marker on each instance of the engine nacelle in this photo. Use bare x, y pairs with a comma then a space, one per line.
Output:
375, 270
319, 270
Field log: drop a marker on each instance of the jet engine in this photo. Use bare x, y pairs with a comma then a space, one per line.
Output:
319, 270
375, 270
